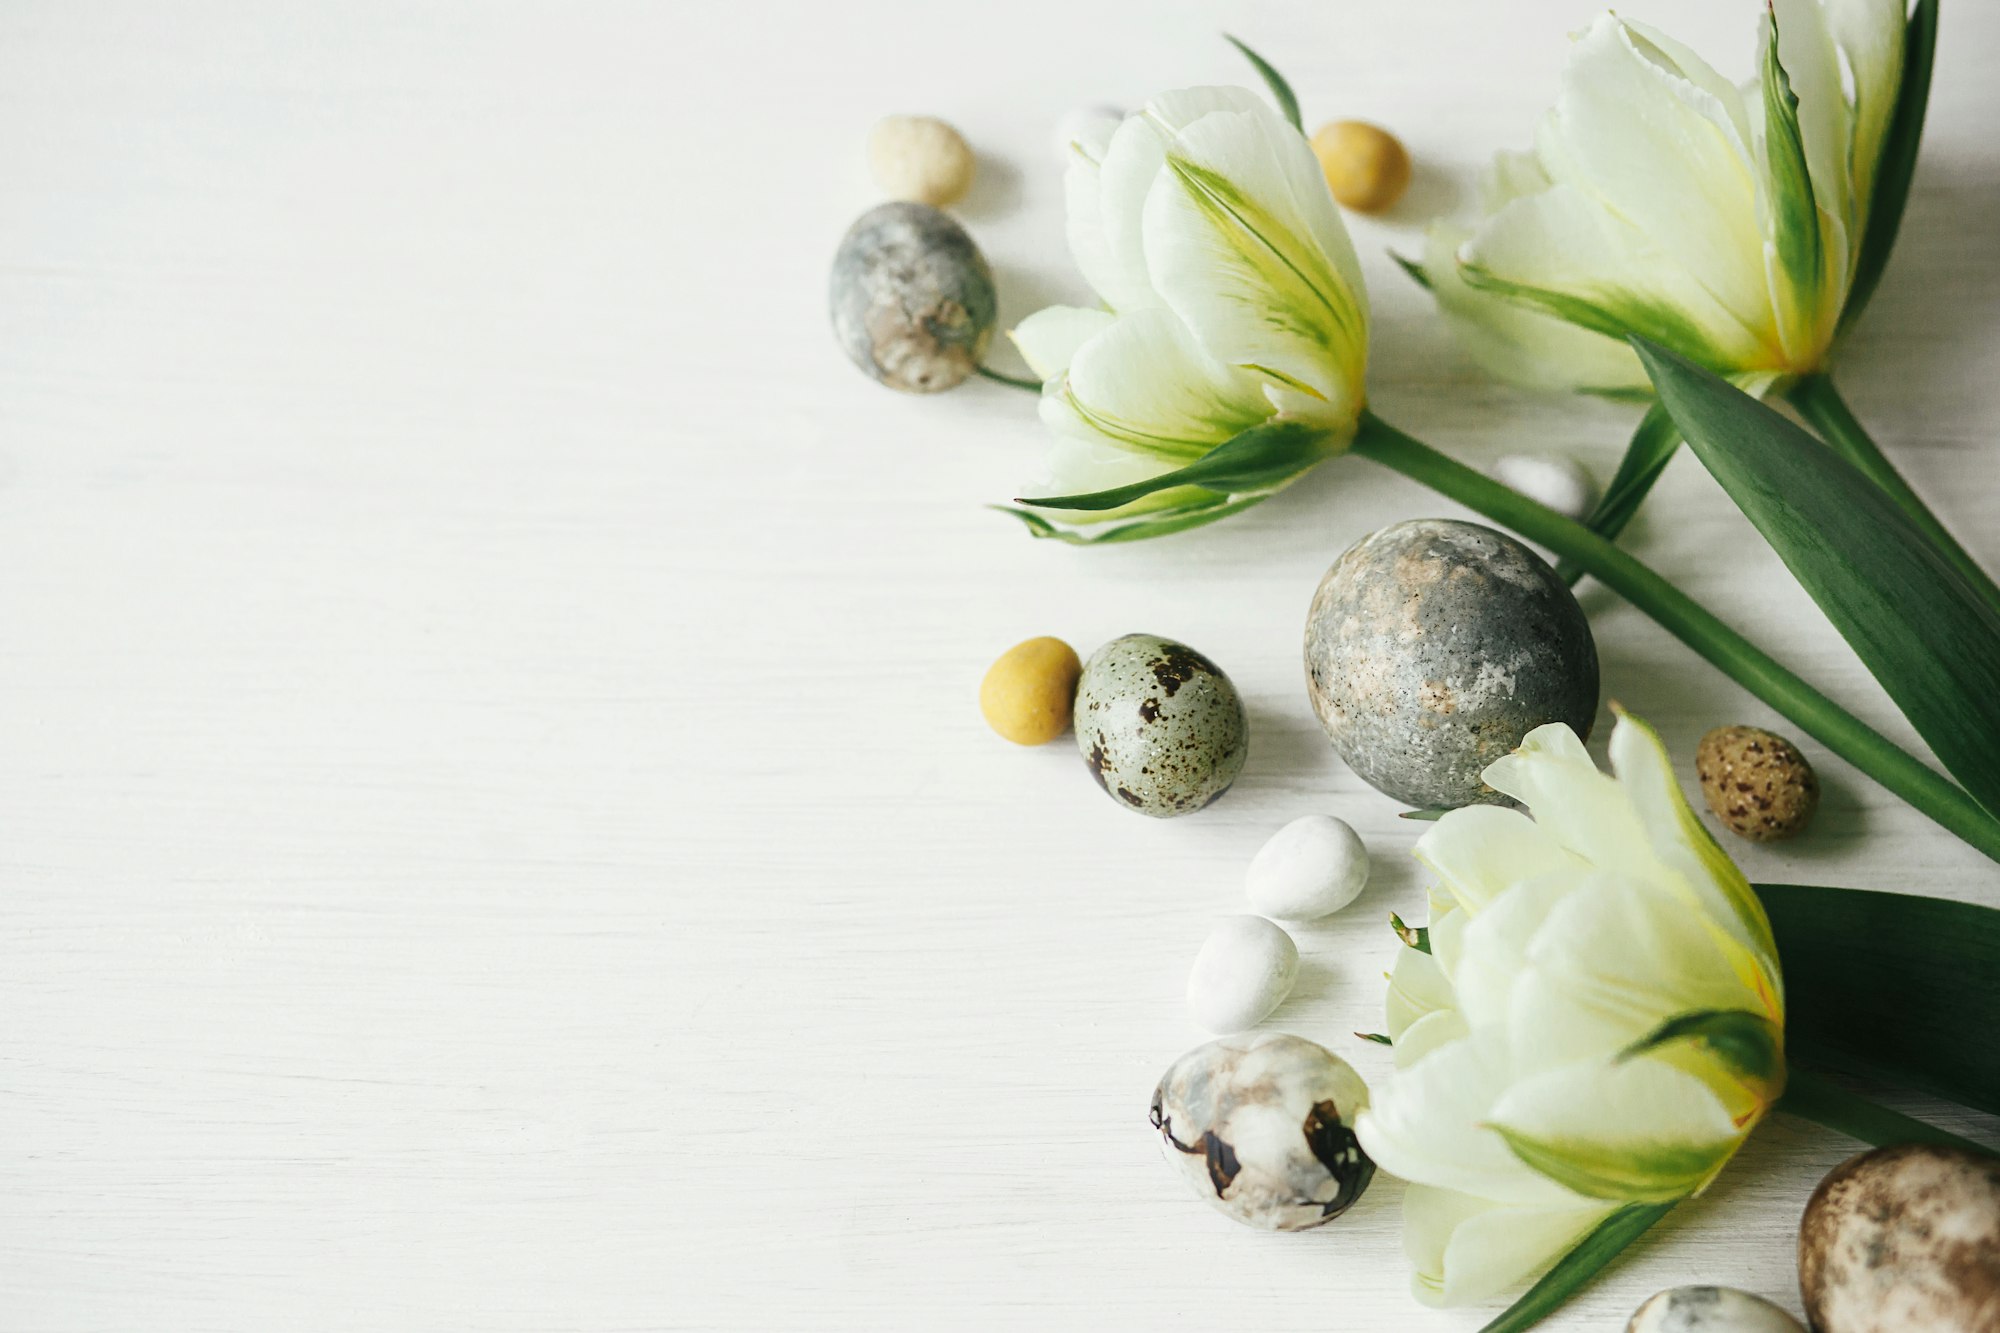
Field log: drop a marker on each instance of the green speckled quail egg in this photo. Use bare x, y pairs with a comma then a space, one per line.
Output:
1161, 726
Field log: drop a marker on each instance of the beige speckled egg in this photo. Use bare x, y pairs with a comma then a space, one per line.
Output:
1757, 783
1904, 1239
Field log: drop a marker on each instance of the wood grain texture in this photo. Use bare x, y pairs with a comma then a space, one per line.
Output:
497, 832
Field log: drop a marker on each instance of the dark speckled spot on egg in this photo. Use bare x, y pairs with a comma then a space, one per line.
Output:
1159, 725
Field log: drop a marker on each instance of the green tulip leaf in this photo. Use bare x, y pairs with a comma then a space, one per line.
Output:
1898, 163
1897, 988
1575, 1269
1179, 519
1379, 1038
1415, 937
1413, 268
1262, 458
1918, 625
1281, 91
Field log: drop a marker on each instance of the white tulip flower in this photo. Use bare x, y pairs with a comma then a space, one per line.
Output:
1661, 200
1598, 1020
1232, 301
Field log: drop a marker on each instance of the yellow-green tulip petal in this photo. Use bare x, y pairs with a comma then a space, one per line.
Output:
1520, 343
1658, 151
1243, 208
1079, 460
1147, 383
1638, 1131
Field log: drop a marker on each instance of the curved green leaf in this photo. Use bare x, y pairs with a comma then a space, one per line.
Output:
1925, 633
1579, 1266
1896, 987
1281, 92
1259, 459
1899, 161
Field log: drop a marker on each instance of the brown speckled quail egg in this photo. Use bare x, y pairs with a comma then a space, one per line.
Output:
1260, 1125
1160, 725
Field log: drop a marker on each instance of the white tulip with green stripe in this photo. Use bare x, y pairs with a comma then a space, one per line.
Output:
1229, 353
1661, 200
1594, 1018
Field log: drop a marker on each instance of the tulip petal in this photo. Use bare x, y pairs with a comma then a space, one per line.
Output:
1493, 955
1466, 1249
1434, 1030
1117, 276
1417, 988
1480, 851
1243, 241
1637, 1131
1110, 217
1680, 840
1429, 1125
1048, 339
1078, 456
1522, 343
1812, 66
1145, 383
1870, 34
1579, 808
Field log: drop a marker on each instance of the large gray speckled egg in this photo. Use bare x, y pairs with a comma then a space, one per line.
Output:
1433, 647
912, 298
1260, 1125
1710, 1310
1160, 725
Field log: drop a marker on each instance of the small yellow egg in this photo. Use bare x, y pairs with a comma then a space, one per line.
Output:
1027, 695
920, 158
1366, 167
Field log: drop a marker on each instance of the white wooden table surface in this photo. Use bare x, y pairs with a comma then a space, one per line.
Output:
495, 831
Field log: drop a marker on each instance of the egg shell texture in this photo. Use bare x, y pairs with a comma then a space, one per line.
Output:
1710, 1310
1433, 646
1160, 725
912, 299
1260, 1125
1904, 1239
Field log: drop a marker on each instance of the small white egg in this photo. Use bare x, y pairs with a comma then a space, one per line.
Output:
920, 158
1554, 480
1245, 967
1090, 124
1310, 867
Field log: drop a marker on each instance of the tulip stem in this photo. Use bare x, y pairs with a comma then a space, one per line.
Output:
1820, 717
1014, 381
1821, 405
1825, 1102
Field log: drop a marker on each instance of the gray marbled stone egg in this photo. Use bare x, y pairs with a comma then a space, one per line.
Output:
1710, 1310
1433, 647
912, 298
1260, 1125
1160, 725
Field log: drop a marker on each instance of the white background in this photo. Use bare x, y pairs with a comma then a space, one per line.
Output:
495, 830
